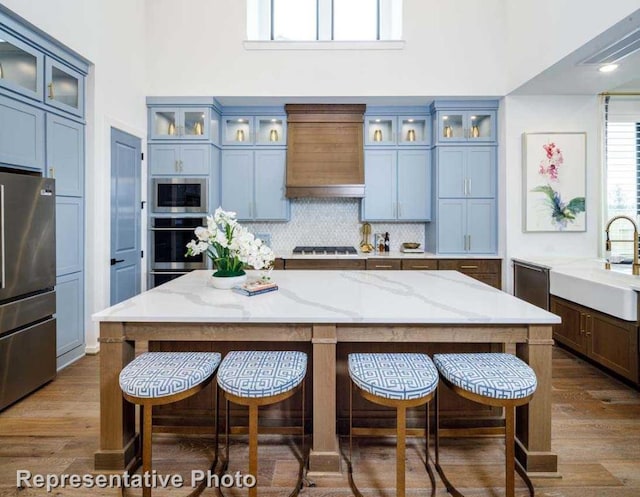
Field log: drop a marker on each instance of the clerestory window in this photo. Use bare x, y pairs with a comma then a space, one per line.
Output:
324, 20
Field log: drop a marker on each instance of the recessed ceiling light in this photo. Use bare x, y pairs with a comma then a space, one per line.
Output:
608, 68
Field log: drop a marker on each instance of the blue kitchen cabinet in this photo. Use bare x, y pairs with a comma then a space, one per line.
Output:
21, 66
380, 130
180, 159
465, 171
414, 185
248, 130
64, 87
464, 121
69, 235
400, 130
380, 185
22, 137
466, 226
65, 155
236, 183
252, 184
270, 170
397, 185
181, 123
69, 316
414, 130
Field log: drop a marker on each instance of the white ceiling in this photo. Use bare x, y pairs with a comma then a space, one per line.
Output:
570, 77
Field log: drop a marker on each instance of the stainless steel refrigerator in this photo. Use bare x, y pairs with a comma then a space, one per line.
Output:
27, 284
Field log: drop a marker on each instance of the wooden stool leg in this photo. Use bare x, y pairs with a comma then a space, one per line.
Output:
146, 446
401, 434
253, 447
509, 451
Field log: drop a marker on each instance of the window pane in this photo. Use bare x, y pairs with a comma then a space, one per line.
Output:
623, 164
355, 19
294, 19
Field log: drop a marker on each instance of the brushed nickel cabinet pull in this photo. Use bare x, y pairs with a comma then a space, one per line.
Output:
52, 172
50, 86
383, 266
588, 324
468, 267
420, 267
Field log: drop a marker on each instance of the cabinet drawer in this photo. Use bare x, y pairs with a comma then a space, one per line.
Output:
278, 263
324, 264
491, 279
471, 265
420, 264
383, 264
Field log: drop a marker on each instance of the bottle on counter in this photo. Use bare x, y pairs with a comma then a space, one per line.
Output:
387, 243
380, 243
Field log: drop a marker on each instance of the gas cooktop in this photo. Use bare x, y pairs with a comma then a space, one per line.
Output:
325, 250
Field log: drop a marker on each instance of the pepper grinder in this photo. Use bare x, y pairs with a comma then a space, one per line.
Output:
387, 243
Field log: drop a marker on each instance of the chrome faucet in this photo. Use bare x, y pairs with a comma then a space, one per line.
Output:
636, 265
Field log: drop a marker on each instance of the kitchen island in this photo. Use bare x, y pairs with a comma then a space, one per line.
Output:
322, 310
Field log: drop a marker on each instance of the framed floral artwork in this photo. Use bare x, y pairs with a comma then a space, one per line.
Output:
554, 181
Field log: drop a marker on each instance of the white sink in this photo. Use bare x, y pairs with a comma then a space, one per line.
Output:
611, 292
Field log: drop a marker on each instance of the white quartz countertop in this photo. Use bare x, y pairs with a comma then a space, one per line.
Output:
586, 281
418, 297
395, 254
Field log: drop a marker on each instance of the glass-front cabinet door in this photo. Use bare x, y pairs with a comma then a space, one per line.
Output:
174, 123
195, 124
21, 67
271, 130
164, 123
237, 130
380, 130
64, 87
457, 126
451, 126
481, 126
414, 130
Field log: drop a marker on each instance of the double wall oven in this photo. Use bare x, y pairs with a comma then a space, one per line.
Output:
168, 248
181, 198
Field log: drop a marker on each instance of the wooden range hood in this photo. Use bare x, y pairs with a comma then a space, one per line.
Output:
325, 155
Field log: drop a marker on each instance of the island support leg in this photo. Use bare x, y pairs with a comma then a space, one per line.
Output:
117, 416
533, 421
325, 454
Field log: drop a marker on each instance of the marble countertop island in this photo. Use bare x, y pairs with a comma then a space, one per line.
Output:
409, 297
327, 314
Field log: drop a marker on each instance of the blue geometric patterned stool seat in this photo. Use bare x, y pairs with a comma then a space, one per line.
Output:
394, 376
157, 378
159, 374
255, 378
493, 379
499, 376
261, 373
399, 380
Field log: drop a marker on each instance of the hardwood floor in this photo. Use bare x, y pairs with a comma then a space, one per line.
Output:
596, 433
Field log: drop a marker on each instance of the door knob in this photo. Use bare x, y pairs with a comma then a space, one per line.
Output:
115, 261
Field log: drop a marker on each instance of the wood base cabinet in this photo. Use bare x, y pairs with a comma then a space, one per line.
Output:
607, 340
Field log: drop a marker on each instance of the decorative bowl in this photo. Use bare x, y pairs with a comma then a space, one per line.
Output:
410, 245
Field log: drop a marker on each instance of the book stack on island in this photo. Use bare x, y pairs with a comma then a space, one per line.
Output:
255, 287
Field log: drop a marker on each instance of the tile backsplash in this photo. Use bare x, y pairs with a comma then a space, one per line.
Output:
332, 221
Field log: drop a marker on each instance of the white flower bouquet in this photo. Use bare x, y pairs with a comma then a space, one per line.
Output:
229, 245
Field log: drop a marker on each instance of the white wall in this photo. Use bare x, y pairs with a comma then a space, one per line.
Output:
546, 113
111, 34
541, 32
450, 50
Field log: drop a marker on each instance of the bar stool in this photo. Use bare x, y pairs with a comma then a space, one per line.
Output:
399, 380
258, 378
158, 378
493, 379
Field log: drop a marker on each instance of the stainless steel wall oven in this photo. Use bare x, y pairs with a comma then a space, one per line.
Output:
168, 248
179, 195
